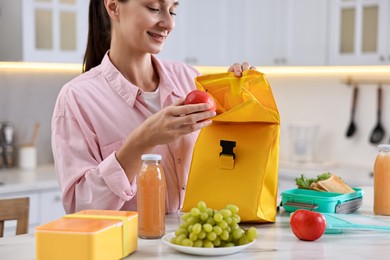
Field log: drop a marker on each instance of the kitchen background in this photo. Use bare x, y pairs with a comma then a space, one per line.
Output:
308, 49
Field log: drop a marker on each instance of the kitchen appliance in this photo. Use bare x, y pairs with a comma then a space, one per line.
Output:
303, 141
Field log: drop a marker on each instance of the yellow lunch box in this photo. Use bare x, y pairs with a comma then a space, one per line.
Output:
88, 235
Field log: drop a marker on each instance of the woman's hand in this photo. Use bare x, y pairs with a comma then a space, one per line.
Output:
176, 120
163, 127
238, 68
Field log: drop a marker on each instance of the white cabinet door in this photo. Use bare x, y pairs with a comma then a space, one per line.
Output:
359, 32
262, 32
305, 34
50, 205
54, 30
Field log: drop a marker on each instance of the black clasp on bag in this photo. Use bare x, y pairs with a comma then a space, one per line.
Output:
227, 148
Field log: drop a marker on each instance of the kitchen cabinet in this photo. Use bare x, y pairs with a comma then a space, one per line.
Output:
360, 32
263, 32
45, 31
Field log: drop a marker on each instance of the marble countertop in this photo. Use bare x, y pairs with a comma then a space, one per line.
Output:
17, 180
275, 241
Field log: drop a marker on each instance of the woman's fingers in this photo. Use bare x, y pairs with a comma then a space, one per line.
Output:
238, 68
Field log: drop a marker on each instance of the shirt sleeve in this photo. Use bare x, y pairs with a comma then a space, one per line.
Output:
87, 181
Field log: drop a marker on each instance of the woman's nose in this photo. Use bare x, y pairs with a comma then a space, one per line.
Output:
167, 21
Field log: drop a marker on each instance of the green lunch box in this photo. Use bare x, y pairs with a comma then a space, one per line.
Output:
325, 202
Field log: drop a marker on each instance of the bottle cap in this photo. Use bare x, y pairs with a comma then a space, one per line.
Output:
151, 157
384, 147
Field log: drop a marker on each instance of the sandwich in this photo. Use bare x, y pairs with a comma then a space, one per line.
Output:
325, 182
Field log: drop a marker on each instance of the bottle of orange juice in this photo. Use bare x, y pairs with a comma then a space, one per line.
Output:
382, 181
151, 190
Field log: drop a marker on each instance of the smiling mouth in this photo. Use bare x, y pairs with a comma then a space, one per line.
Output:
157, 36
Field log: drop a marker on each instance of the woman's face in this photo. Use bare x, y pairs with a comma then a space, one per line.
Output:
145, 24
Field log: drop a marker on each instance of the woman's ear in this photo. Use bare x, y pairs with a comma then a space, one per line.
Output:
112, 8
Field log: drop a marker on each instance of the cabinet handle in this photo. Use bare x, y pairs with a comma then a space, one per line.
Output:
57, 198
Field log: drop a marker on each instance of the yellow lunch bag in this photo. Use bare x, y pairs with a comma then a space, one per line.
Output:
235, 159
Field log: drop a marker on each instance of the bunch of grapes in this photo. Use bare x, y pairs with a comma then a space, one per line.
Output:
206, 227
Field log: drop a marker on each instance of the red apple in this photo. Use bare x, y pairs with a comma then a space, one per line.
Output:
307, 225
198, 96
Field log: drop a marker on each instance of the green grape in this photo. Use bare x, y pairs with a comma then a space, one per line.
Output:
189, 228
207, 243
193, 237
224, 235
202, 235
185, 216
234, 226
217, 242
195, 212
233, 208
197, 228
229, 229
202, 206
229, 244
184, 225
180, 231
180, 238
238, 233
207, 227
218, 217
211, 236
198, 243
204, 216
236, 219
226, 213
222, 224
252, 234
173, 240
228, 220
243, 240
211, 221
187, 242
192, 220
217, 230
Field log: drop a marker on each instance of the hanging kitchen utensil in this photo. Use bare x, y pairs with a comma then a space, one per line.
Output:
378, 132
352, 126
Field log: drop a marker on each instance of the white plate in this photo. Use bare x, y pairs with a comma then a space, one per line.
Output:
204, 251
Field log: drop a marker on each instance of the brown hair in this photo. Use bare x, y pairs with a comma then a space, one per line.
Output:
99, 34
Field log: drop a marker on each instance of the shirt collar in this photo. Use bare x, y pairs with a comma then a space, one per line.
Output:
128, 91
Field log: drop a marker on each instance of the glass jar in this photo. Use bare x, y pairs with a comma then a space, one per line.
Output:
151, 190
382, 181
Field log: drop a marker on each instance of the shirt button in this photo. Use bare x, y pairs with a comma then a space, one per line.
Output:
179, 161
183, 188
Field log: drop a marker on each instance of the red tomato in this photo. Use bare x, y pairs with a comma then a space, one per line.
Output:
307, 225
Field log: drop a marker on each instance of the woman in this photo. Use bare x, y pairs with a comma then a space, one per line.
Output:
127, 103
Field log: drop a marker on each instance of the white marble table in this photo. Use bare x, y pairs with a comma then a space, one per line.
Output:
275, 241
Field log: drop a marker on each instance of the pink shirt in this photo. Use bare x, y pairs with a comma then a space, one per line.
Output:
93, 115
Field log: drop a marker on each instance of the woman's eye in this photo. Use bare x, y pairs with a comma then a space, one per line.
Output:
153, 9
172, 13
